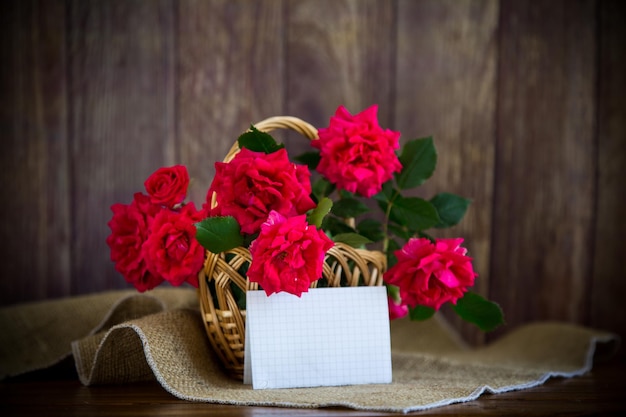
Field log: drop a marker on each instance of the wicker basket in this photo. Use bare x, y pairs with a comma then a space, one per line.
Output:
221, 276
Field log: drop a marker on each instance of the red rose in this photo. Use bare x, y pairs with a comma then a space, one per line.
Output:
430, 274
254, 183
130, 227
172, 251
168, 186
356, 153
288, 254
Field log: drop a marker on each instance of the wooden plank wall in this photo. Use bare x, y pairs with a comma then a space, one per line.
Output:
525, 100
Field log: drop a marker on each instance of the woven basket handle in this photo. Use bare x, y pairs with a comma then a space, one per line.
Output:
278, 122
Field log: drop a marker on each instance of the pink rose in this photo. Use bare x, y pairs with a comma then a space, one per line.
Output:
254, 183
172, 251
168, 186
356, 153
430, 274
130, 227
288, 254
396, 310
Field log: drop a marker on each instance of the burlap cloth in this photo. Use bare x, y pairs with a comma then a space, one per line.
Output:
122, 336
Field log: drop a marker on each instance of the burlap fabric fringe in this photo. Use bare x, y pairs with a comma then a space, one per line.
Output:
120, 337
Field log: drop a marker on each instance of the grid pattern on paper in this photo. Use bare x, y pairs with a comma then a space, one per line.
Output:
329, 336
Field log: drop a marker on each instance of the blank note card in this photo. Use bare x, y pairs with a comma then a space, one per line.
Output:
328, 336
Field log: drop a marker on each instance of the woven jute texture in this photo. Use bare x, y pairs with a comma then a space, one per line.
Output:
121, 337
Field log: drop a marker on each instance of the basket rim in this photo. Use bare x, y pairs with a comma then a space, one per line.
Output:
278, 122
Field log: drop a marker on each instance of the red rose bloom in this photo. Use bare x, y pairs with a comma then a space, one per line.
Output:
130, 227
288, 254
172, 251
430, 274
356, 153
168, 186
254, 183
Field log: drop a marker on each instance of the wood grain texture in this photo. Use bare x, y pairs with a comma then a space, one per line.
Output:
339, 53
525, 101
230, 59
446, 88
544, 194
121, 119
35, 184
609, 272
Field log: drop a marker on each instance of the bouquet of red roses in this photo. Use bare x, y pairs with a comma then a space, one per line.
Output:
289, 214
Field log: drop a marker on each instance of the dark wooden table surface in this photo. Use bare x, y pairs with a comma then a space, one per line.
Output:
57, 392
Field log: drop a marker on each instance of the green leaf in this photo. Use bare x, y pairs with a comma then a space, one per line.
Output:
335, 226
322, 188
414, 212
316, 216
345, 194
418, 159
310, 159
391, 257
258, 141
386, 193
353, 239
219, 234
485, 314
419, 313
383, 205
349, 207
400, 231
386, 196
427, 236
451, 208
371, 229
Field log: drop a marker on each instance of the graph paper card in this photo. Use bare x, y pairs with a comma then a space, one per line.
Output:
327, 337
